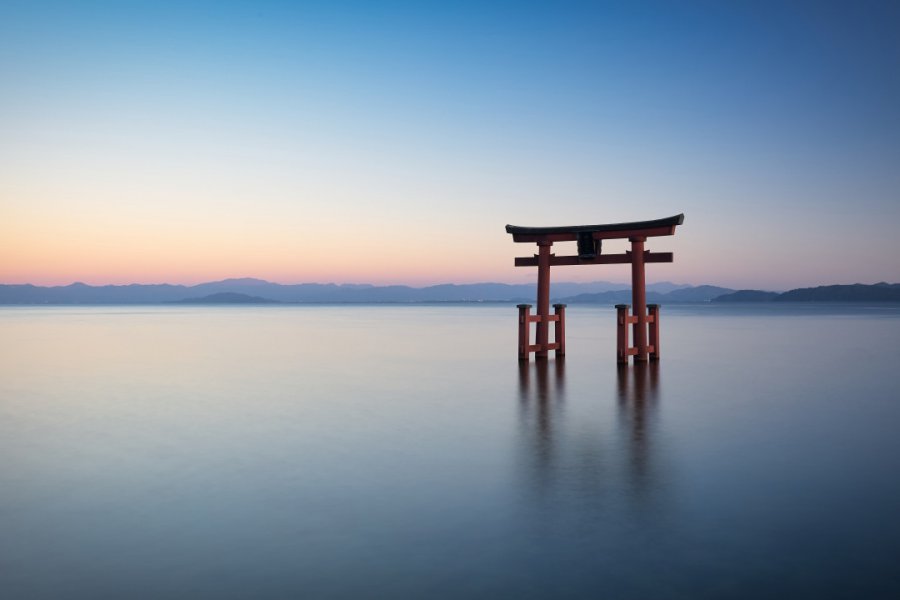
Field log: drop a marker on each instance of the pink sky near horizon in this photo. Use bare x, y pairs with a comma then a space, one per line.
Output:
80, 231
97, 242
387, 268
152, 143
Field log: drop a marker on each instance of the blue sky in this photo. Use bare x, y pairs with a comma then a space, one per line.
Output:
391, 141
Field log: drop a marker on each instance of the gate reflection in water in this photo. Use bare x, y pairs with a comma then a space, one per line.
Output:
615, 457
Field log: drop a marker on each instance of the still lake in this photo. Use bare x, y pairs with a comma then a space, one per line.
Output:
402, 452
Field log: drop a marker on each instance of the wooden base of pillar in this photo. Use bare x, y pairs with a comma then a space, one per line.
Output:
623, 321
541, 351
653, 324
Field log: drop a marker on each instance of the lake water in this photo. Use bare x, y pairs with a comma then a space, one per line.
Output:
402, 452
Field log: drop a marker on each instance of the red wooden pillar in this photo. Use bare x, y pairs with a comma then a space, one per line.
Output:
560, 329
542, 335
639, 297
654, 330
524, 326
622, 333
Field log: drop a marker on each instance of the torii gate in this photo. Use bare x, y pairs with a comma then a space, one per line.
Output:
590, 238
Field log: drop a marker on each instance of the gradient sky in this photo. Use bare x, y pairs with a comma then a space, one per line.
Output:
390, 142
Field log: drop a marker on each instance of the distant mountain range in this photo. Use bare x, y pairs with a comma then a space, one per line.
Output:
257, 291
858, 292
226, 298
700, 293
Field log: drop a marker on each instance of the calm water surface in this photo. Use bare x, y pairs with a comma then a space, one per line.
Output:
401, 452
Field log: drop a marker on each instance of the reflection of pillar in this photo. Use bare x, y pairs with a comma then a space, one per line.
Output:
542, 392
637, 388
542, 377
543, 299
560, 379
523, 381
641, 375
639, 297
638, 383
622, 381
654, 380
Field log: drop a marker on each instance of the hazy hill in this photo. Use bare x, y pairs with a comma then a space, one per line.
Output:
239, 291
879, 292
79, 293
858, 292
702, 293
227, 298
747, 296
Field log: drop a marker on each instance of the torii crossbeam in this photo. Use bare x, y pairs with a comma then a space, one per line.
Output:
590, 239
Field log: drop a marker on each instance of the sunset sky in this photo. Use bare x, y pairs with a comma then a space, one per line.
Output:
390, 142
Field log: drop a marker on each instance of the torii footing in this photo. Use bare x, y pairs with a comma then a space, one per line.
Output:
590, 239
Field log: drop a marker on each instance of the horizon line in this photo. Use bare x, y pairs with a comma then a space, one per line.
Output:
412, 286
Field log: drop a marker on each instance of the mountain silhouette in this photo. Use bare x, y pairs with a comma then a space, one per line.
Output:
80, 293
227, 298
858, 292
247, 290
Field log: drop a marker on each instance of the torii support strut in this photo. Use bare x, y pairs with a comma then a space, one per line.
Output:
590, 239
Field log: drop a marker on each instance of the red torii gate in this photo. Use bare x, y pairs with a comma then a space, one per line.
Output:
590, 239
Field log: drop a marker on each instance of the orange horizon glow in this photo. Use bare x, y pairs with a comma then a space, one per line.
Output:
49, 252
154, 149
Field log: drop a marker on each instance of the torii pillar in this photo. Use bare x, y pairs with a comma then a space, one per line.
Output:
590, 239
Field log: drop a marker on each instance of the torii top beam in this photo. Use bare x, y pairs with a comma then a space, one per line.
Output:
605, 231
589, 238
